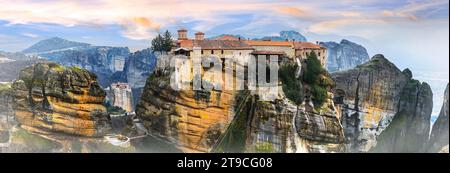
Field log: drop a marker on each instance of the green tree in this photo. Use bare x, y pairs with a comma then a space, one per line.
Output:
162, 43
292, 87
315, 77
313, 70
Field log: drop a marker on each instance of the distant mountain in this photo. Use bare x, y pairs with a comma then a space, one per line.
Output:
344, 55
14, 56
104, 61
286, 35
224, 35
54, 44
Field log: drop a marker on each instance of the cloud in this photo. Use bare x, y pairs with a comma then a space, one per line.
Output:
140, 28
31, 35
296, 12
142, 19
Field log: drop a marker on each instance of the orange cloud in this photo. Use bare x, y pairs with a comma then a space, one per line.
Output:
139, 28
292, 11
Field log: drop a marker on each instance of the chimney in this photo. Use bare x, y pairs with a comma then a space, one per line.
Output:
182, 34
199, 36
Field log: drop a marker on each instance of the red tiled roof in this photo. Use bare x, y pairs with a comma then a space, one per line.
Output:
225, 44
269, 43
306, 45
227, 37
189, 44
222, 45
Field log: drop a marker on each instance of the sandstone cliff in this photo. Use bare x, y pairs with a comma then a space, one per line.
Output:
408, 132
371, 95
188, 118
236, 121
439, 133
281, 126
54, 98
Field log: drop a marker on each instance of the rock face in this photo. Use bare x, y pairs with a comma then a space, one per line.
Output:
55, 98
6, 111
372, 94
278, 127
344, 55
10, 70
286, 35
439, 133
138, 67
184, 117
106, 62
409, 130
235, 121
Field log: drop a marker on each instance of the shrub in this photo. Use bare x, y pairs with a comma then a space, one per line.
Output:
292, 87
316, 77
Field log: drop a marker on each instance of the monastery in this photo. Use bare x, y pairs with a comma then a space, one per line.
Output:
229, 45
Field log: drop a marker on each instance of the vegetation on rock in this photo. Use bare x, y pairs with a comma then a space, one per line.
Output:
292, 87
317, 78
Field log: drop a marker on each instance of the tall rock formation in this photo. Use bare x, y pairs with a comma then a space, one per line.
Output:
439, 134
138, 67
54, 98
372, 94
188, 118
344, 55
235, 121
408, 132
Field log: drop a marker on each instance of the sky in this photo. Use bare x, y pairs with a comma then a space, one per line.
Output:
411, 33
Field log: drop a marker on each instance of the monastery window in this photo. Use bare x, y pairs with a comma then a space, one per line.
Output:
222, 51
202, 52
212, 52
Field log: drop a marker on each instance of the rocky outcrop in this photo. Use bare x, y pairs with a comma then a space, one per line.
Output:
6, 113
439, 133
344, 55
283, 127
372, 94
138, 67
184, 117
286, 35
51, 97
235, 121
106, 62
10, 70
408, 132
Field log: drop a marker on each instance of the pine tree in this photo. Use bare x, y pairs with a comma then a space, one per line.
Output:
167, 41
162, 43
